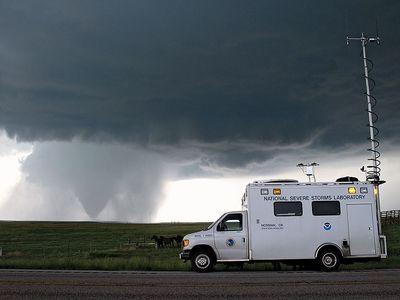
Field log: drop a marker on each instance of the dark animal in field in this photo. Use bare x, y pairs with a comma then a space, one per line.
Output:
167, 241
178, 239
159, 241
163, 241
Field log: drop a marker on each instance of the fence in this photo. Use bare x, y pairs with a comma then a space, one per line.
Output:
390, 217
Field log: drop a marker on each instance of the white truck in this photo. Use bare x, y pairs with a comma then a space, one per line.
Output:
327, 223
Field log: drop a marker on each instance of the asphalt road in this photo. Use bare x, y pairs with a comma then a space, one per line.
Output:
34, 284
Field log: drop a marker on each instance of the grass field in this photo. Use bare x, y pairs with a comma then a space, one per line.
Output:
116, 246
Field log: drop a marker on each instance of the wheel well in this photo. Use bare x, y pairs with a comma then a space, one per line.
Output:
329, 247
207, 248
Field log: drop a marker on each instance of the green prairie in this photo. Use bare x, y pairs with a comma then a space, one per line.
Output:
118, 246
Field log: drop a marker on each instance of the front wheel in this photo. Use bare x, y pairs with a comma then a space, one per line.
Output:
202, 261
329, 260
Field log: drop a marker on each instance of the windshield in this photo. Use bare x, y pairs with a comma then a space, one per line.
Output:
212, 224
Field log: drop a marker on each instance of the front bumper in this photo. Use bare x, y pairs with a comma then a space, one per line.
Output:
185, 255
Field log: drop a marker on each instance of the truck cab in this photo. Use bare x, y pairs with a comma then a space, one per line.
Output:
226, 240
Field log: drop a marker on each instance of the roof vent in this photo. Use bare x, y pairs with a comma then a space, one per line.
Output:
282, 181
347, 179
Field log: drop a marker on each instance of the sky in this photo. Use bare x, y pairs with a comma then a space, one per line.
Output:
162, 111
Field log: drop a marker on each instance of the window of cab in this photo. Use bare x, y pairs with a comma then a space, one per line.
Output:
232, 222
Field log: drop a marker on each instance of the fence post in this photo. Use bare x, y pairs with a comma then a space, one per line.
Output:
390, 217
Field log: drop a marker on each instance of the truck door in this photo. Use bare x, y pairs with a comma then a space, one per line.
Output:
361, 229
231, 236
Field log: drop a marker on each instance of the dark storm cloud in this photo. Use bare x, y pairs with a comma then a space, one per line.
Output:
169, 73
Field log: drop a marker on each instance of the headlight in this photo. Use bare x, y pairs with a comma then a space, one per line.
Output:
185, 243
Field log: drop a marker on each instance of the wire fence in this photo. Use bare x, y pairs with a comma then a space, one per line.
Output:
390, 217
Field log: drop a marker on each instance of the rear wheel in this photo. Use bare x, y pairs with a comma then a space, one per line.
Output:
202, 261
329, 260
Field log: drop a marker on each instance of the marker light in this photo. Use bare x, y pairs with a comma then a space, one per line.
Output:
376, 191
276, 191
352, 190
185, 243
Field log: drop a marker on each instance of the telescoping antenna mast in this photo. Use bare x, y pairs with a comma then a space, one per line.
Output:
373, 171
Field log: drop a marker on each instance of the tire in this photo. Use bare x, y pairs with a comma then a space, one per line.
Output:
202, 261
329, 260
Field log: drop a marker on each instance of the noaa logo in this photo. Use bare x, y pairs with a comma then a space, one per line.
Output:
230, 242
327, 226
